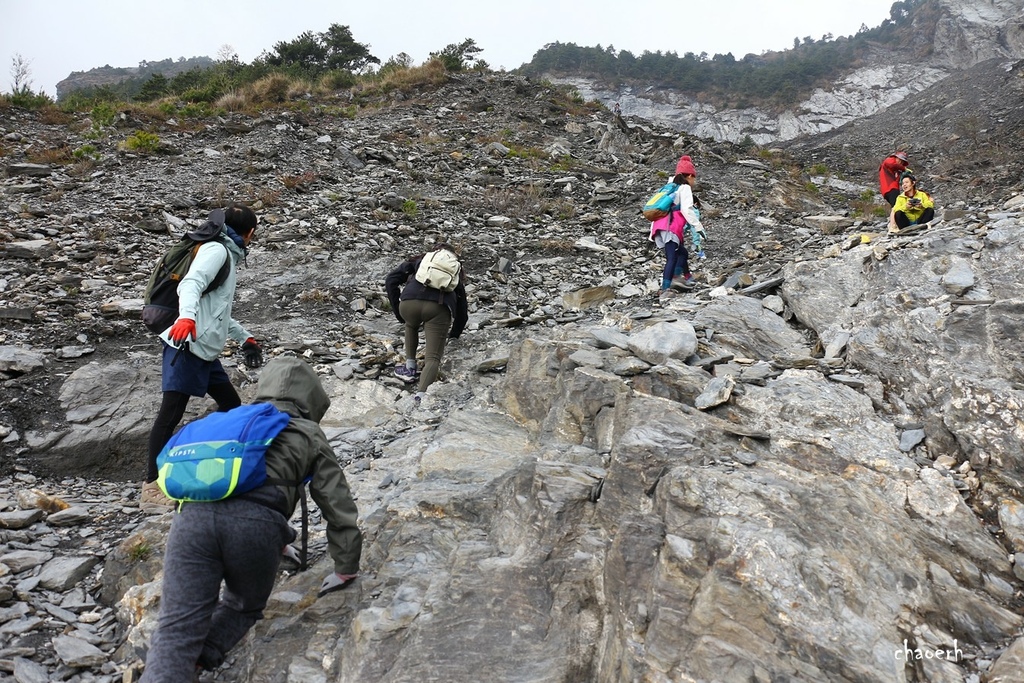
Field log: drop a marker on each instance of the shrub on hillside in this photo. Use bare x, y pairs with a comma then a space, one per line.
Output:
142, 142
458, 56
208, 93
338, 79
272, 88
232, 101
26, 99
312, 54
409, 79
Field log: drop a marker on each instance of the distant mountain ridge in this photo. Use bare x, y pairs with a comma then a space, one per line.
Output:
924, 43
109, 75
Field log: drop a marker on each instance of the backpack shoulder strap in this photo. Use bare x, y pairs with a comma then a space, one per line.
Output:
225, 268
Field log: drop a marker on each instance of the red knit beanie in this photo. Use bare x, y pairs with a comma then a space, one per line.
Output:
685, 166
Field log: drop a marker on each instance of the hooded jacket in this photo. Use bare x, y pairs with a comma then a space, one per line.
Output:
401, 285
301, 451
915, 211
889, 173
211, 311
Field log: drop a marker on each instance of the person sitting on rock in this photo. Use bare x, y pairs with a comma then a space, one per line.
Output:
442, 315
889, 175
668, 233
193, 344
913, 207
237, 541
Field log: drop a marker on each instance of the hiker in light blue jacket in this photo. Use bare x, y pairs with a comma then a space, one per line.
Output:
193, 344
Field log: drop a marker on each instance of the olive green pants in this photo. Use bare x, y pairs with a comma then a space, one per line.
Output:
436, 321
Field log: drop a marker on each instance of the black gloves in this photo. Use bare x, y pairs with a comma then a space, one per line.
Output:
253, 353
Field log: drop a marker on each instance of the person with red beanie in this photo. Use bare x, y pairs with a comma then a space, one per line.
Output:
685, 166
889, 175
193, 344
669, 233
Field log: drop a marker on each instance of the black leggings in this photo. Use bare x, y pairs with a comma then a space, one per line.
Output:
172, 409
903, 221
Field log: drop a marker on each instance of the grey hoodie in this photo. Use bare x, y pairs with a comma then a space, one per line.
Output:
302, 450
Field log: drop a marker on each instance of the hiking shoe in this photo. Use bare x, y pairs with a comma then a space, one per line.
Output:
406, 374
683, 282
152, 498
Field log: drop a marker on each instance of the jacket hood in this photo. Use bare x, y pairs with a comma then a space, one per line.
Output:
293, 381
211, 228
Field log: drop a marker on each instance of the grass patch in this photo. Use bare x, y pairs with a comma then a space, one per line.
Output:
58, 155
142, 142
140, 551
103, 114
526, 152
514, 202
868, 204
316, 296
300, 182
232, 101
269, 89
404, 79
53, 116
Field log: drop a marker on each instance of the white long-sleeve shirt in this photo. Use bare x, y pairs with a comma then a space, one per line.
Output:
684, 200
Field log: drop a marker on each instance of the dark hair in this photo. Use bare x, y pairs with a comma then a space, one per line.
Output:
680, 178
241, 218
435, 247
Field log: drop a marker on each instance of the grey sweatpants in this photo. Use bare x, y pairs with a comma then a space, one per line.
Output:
436, 320
235, 541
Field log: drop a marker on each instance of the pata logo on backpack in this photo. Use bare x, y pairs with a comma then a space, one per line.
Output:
160, 300
439, 270
660, 203
220, 455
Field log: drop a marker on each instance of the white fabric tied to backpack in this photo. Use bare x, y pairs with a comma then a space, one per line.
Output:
439, 270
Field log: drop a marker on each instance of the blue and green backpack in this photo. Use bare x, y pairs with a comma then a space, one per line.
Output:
660, 203
220, 455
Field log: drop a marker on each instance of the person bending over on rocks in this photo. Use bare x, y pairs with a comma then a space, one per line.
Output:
668, 233
442, 315
913, 206
193, 344
237, 541
889, 175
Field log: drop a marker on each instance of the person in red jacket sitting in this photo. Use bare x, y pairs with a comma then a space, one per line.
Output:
889, 175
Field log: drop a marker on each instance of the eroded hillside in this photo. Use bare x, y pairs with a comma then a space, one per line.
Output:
795, 470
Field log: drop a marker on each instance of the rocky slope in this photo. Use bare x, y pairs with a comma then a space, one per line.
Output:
806, 468
945, 38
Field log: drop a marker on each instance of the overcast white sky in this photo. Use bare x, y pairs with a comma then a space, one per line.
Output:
61, 36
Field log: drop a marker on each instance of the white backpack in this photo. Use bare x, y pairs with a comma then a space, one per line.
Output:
439, 270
